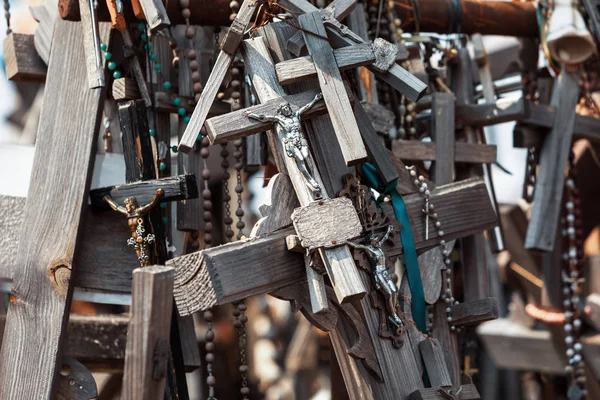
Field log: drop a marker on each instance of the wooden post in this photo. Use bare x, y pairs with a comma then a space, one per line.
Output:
147, 348
547, 199
41, 283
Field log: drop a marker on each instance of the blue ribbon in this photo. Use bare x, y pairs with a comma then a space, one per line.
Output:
371, 179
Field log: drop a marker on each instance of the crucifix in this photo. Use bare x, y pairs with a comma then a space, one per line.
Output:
337, 257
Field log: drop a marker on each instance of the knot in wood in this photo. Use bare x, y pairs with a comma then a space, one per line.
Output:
61, 275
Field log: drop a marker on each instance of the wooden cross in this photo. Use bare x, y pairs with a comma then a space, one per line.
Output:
338, 260
342, 36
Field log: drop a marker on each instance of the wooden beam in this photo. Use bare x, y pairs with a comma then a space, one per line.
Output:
503, 110
332, 87
156, 14
514, 346
125, 89
426, 151
474, 312
541, 233
442, 129
378, 154
41, 282
181, 187
23, 64
220, 69
297, 69
219, 275
235, 125
433, 358
147, 350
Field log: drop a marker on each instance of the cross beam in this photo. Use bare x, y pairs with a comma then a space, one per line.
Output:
237, 270
464, 152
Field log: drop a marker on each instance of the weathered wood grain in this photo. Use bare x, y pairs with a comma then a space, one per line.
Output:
442, 129
332, 87
541, 233
23, 64
136, 68
156, 14
433, 358
125, 89
378, 154
46, 14
147, 347
180, 187
296, 69
366, 85
41, 282
426, 151
12, 214
474, 312
221, 275
220, 69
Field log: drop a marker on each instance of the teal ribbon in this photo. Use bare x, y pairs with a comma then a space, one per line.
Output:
371, 179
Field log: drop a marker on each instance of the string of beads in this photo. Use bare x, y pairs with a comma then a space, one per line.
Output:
572, 278
429, 211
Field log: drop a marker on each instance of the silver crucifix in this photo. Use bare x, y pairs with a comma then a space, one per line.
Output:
289, 127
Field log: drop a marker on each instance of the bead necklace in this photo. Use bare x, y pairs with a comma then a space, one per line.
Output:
209, 346
239, 323
429, 211
573, 280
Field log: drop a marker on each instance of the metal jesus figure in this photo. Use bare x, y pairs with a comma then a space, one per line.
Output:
289, 127
382, 277
135, 221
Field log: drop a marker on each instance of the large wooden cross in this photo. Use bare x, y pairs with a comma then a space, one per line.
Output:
338, 260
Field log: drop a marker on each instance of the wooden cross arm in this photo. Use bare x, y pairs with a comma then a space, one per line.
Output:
179, 187
236, 124
474, 153
503, 110
475, 312
23, 64
296, 69
583, 128
237, 270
